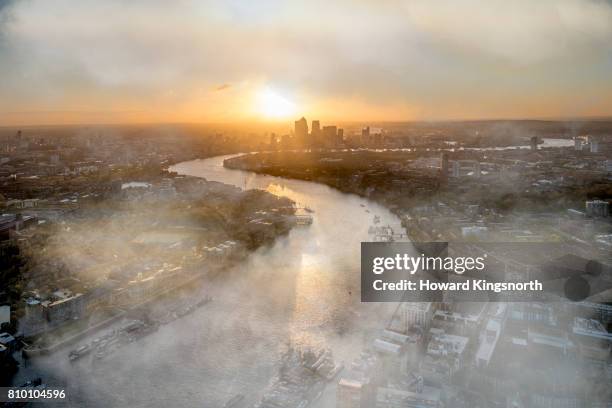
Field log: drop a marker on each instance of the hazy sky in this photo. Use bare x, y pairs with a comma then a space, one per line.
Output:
207, 61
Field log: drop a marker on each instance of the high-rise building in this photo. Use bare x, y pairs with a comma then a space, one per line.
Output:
534, 143
578, 143
273, 141
365, 135
443, 164
330, 133
340, 136
316, 127
315, 133
454, 170
20, 141
301, 131
477, 169
378, 139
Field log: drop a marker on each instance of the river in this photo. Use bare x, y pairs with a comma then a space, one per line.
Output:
304, 290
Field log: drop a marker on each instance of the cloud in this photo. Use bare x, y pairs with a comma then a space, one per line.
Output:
521, 30
442, 58
223, 87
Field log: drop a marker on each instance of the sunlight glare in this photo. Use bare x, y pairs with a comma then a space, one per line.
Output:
273, 105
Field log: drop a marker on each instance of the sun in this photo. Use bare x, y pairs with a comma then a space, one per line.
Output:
274, 106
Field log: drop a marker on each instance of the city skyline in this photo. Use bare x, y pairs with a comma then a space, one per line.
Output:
306, 204
277, 61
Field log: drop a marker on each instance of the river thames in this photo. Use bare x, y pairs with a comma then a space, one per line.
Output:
304, 290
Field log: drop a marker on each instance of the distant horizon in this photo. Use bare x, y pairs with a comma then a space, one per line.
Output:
290, 122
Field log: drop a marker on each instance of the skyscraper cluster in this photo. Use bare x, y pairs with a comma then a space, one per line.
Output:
318, 137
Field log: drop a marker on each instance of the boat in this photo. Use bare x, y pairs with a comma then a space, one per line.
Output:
334, 372
233, 402
303, 219
79, 352
101, 351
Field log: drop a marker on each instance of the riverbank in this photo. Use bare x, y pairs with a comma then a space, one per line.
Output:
362, 173
505, 195
147, 246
